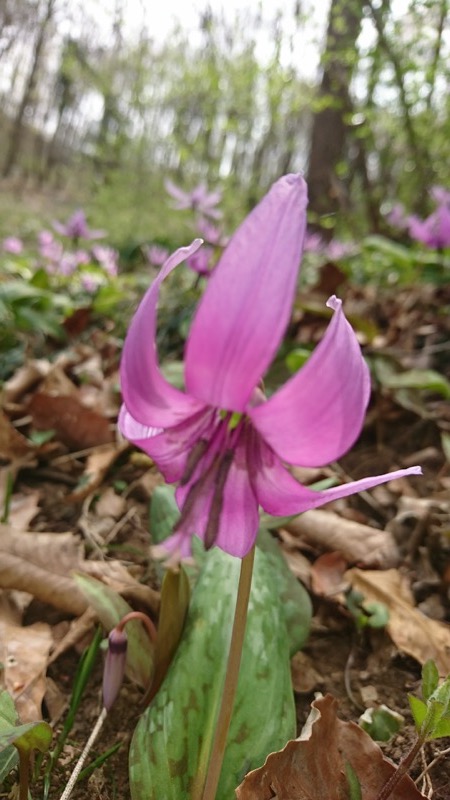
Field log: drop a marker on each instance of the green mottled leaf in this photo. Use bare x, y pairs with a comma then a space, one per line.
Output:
174, 735
164, 513
430, 678
9, 759
31, 736
110, 607
295, 600
418, 709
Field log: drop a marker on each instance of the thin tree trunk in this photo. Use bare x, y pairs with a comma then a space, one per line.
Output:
16, 134
329, 129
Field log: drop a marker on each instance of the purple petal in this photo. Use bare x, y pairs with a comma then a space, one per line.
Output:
247, 303
169, 449
148, 397
238, 521
318, 414
280, 494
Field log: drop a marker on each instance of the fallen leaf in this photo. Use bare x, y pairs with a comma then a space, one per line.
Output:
97, 465
23, 508
76, 426
412, 632
312, 767
13, 445
39, 563
358, 543
24, 654
25, 378
305, 677
327, 574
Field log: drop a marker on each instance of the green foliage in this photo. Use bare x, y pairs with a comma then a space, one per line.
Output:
370, 614
173, 737
381, 723
432, 714
18, 741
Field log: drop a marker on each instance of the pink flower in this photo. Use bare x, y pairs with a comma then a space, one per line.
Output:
199, 199
434, 231
201, 261
225, 445
107, 257
156, 255
13, 245
77, 228
211, 233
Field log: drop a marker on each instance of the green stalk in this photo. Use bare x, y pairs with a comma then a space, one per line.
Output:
231, 678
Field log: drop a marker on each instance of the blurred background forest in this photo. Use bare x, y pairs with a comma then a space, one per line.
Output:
99, 105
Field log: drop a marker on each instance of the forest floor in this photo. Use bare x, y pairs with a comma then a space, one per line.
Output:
89, 495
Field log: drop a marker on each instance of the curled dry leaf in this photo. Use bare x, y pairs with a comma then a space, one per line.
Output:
42, 563
327, 574
358, 543
13, 446
24, 655
25, 378
313, 766
412, 632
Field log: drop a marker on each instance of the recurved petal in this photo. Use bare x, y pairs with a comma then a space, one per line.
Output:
149, 398
247, 303
318, 414
281, 495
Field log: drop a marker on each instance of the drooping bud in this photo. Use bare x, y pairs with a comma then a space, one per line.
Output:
114, 668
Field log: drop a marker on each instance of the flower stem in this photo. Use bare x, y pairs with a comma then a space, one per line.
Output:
231, 678
401, 770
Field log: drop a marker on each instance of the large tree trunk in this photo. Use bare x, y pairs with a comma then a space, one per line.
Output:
30, 85
329, 127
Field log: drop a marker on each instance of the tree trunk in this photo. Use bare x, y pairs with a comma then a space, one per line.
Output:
30, 85
329, 127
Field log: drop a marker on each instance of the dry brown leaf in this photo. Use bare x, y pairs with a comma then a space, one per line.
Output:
24, 655
327, 574
411, 631
76, 426
25, 378
97, 465
13, 446
42, 563
23, 508
358, 543
39, 563
313, 766
305, 677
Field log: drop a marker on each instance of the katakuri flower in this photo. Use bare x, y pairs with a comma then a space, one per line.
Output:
77, 228
199, 199
225, 445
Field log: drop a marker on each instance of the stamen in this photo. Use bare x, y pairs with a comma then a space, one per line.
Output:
197, 452
212, 528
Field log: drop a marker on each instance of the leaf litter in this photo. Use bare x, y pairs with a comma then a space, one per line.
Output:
75, 500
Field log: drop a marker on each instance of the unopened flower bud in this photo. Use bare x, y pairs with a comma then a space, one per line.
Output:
114, 668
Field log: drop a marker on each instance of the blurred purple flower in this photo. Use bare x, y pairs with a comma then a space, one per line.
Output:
313, 243
108, 258
335, 250
201, 261
397, 217
90, 282
221, 440
155, 255
199, 199
211, 233
77, 228
440, 195
434, 231
13, 245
